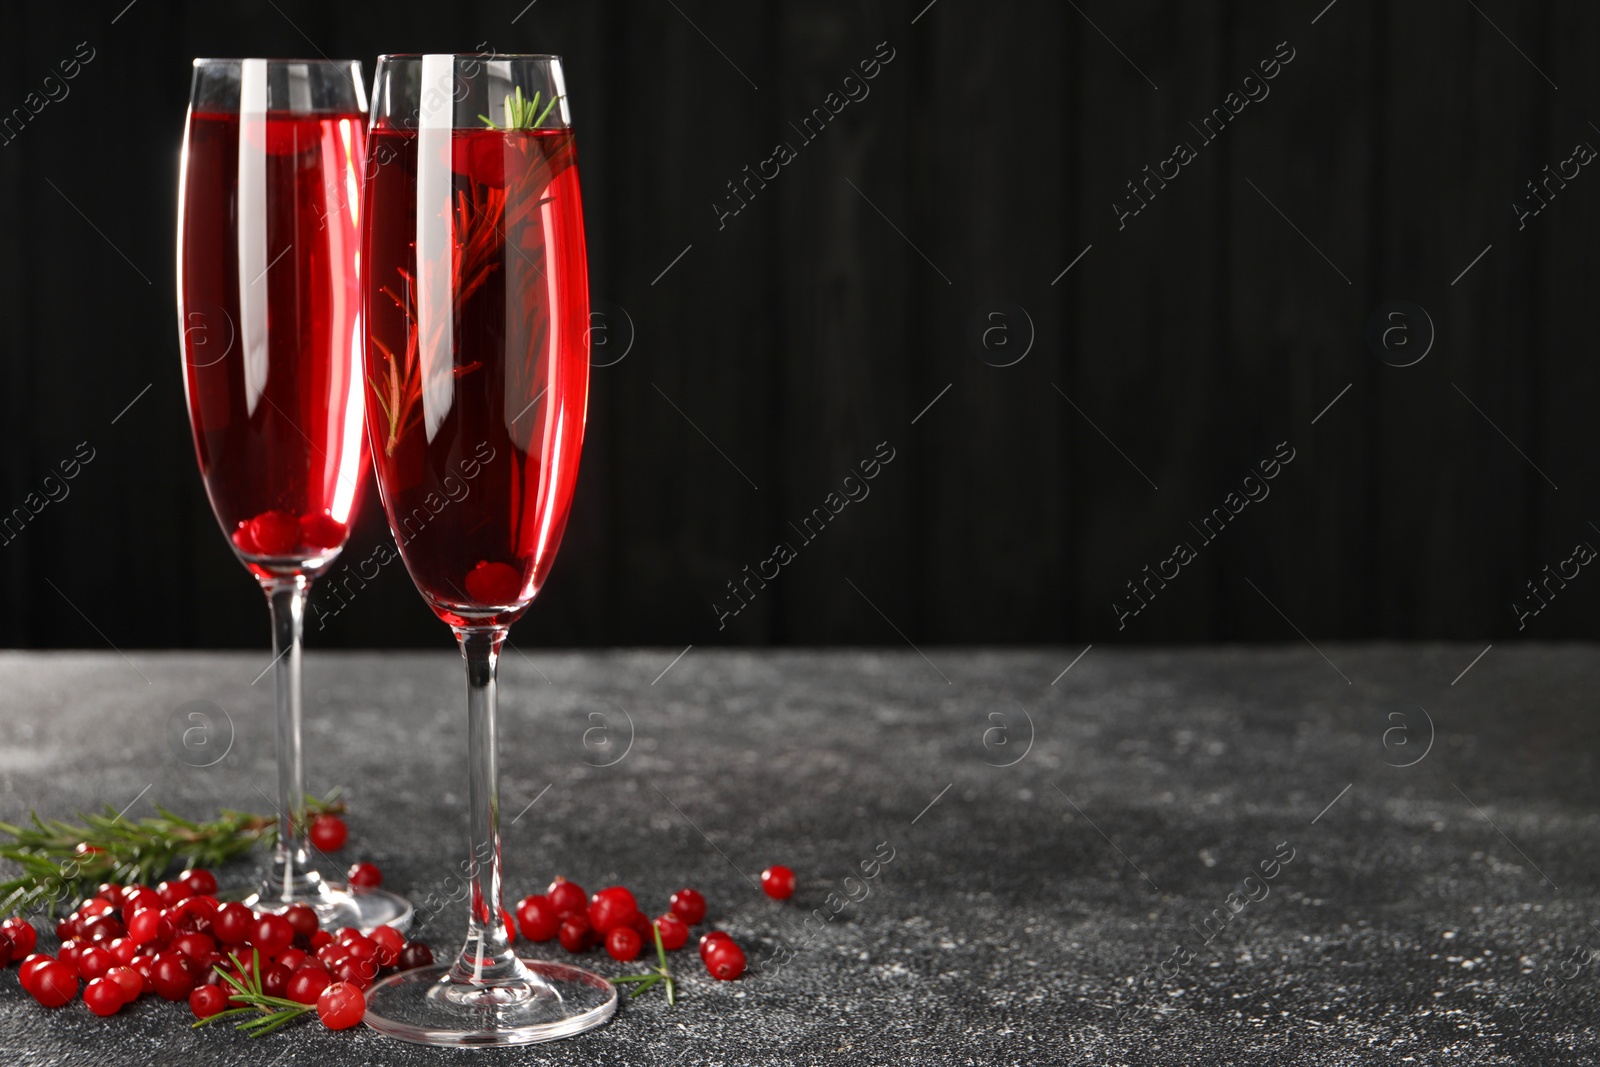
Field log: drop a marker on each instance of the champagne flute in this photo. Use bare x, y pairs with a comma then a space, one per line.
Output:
477, 370
269, 312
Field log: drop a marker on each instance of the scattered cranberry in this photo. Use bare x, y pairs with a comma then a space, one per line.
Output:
174, 891
275, 979
95, 907
509, 924
8, 950
195, 915
22, 934
105, 928
68, 953
301, 919
415, 955
233, 924
123, 949
151, 924
537, 918
170, 975
365, 876
674, 932
725, 960
623, 943
567, 897
202, 881
195, 946
358, 973
321, 938
328, 833
390, 944
93, 962
341, 1006
207, 1000
778, 882
710, 939
575, 933
129, 981
307, 984
54, 983
610, 908
272, 934
28, 972
103, 996
688, 905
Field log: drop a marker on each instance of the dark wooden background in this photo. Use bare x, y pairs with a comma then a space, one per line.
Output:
839, 303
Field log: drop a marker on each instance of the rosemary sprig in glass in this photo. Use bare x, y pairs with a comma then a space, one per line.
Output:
522, 113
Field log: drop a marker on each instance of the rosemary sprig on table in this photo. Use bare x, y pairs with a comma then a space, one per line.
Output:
273, 1012
661, 973
64, 862
521, 112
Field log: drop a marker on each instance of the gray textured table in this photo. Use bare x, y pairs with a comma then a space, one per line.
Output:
1070, 907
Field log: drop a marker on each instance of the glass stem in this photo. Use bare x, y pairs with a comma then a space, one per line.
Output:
487, 957
291, 865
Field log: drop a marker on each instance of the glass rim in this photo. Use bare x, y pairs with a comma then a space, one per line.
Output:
201, 61
389, 57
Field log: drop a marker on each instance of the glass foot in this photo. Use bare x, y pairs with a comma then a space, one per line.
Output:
427, 1007
338, 906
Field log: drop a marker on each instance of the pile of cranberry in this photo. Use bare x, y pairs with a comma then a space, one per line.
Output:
135, 940
612, 917
170, 940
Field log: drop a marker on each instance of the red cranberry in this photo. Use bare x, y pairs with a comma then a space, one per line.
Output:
306, 984
321, 531
537, 918
328, 833
28, 972
576, 933
778, 882
234, 923
151, 924
415, 955
54, 983
272, 934
94, 961
364, 876
341, 1006
674, 932
710, 939
567, 897
207, 1000
390, 944
22, 934
103, 996
195, 946
275, 979
623, 943
301, 919
200, 880
129, 981
494, 583
725, 961
170, 975
174, 891
610, 908
688, 905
